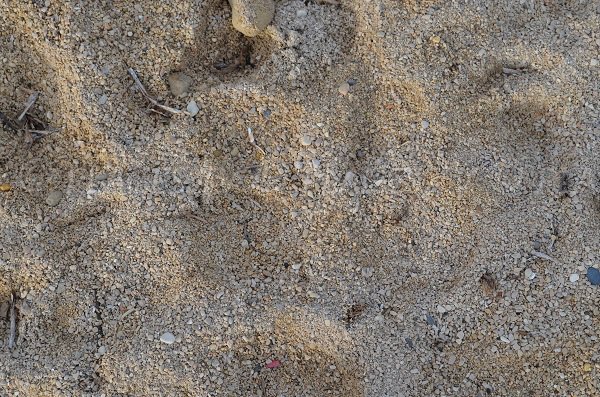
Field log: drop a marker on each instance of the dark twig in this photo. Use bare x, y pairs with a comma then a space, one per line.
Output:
13, 323
140, 86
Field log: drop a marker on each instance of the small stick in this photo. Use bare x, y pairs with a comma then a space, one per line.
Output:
13, 323
541, 255
253, 142
28, 104
169, 109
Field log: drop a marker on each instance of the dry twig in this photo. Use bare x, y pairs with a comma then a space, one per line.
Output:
253, 142
30, 101
154, 102
13, 323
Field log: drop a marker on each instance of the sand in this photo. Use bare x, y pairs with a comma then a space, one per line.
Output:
414, 216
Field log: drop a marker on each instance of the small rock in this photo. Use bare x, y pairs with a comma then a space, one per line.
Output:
424, 124
102, 350
312, 294
3, 309
344, 89
54, 198
306, 140
301, 13
367, 272
296, 266
102, 176
430, 320
193, 108
298, 165
529, 274
167, 338
593, 275
251, 17
574, 278
103, 99
179, 83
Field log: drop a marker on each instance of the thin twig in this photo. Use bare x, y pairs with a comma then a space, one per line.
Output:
28, 104
541, 255
253, 142
169, 109
13, 323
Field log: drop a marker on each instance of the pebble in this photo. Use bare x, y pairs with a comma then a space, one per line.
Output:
54, 198
529, 274
251, 17
574, 278
593, 275
103, 99
193, 108
306, 140
301, 13
179, 83
167, 338
299, 165
344, 89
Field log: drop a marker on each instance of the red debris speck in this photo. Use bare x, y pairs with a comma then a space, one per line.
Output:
274, 364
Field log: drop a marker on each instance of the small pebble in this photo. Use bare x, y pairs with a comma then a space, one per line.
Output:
306, 140
179, 83
103, 99
593, 275
167, 338
529, 274
54, 198
193, 108
574, 278
301, 13
344, 89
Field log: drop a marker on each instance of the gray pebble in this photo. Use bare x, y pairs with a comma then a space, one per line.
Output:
54, 198
193, 108
306, 140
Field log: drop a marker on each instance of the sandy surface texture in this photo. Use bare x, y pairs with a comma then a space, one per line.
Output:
367, 198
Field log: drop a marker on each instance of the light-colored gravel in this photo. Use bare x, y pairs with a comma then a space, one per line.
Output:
421, 189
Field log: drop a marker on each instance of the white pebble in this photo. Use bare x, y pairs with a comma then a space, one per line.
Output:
167, 338
529, 274
574, 278
301, 13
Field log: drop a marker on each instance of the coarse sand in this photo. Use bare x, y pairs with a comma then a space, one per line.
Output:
368, 198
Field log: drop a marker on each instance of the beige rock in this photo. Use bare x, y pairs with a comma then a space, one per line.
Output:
252, 16
179, 83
